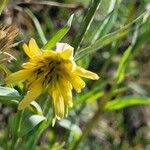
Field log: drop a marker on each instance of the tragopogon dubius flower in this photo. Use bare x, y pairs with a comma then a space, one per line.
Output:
55, 70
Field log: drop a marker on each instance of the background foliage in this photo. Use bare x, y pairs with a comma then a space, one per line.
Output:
111, 38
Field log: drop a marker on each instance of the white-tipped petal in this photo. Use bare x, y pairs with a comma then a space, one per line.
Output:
63, 46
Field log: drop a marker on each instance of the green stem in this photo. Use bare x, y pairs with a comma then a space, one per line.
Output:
86, 23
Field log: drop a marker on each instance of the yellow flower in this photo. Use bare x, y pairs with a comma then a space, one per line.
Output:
55, 70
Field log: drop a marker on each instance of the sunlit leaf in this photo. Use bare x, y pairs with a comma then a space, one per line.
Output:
127, 101
109, 21
94, 97
125, 58
122, 65
82, 98
108, 39
59, 35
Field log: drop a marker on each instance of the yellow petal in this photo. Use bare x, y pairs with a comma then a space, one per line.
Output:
59, 106
33, 49
70, 66
65, 89
65, 50
18, 76
29, 65
85, 73
31, 95
77, 82
63, 46
27, 50
67, 54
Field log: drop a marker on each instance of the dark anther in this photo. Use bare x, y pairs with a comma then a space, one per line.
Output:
49, 80
51, 70
39, 71
41, 62
57, 77
46, 77
50, 63
58, 63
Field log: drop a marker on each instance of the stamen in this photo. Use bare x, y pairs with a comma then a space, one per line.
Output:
49, 79
50, 63
57, 77
58, 63
39, 71
51, 70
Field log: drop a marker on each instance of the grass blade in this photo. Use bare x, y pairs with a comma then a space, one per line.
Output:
37, 25
109, 38
109, 21
127, 101
59, 35
85, 24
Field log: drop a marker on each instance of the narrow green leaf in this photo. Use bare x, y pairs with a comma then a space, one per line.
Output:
37, 25
122, 65
3, 4
108, 39
102, 42
143, 38
127, 101
84, 96
125, 58
109, 21
86, 22
94, 97
59, 35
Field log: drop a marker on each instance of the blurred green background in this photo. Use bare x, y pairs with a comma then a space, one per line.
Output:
121, 57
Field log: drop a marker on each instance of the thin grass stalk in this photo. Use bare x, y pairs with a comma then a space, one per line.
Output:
86, 22
37, 26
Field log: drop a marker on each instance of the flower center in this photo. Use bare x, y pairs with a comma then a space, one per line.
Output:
48, 70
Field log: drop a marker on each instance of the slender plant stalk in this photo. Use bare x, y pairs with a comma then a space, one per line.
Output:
86, 23
37, 25
92, 122
109, 21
